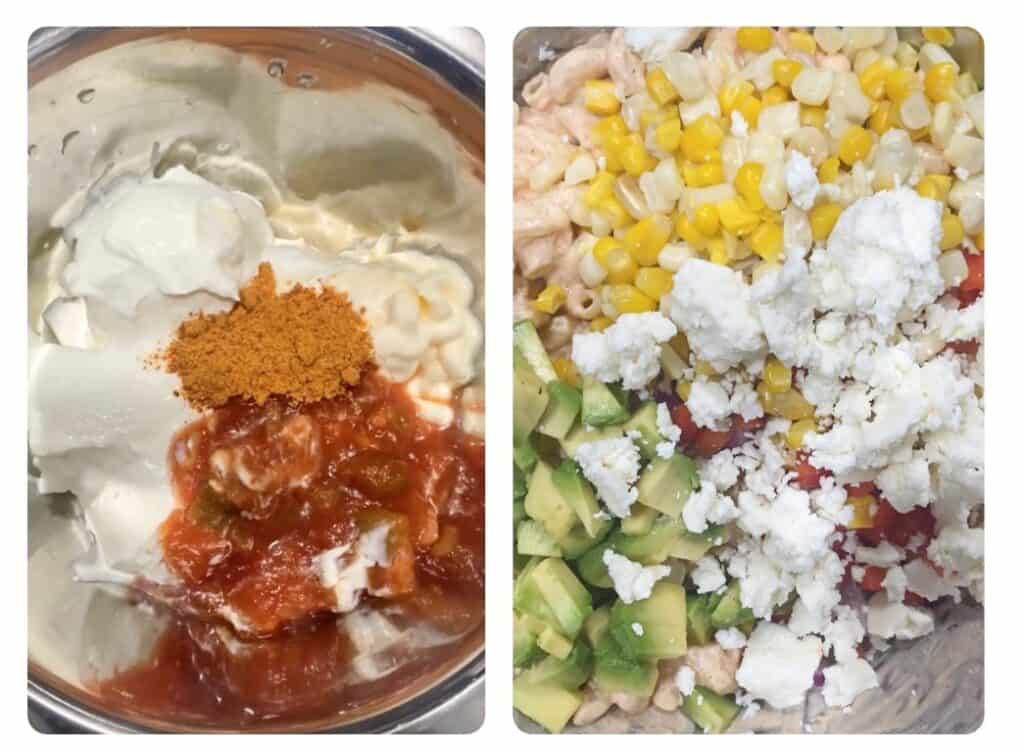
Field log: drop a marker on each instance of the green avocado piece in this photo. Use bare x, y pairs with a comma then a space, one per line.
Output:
729, 610
653, 628
579, 495
564, 403
569, 673
552, 593
645, 422
591, 565
582, 434
601, 407
693, 546
533, 540
640, 521
653, 547
549, 705
596, 625
527, 343
524, 646
553, 643
666, 484
616, 672
578, 541
698, 620
529, 399
547, 505
709, 710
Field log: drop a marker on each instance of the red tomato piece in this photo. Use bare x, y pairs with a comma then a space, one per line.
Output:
964, 347
872, 579
862, 489
682, 418
709, 443
808, 477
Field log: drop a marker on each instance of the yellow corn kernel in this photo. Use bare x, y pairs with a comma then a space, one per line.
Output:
646, 238
966, 85
609, 126
706, 219
599, 97
669, 135
855, 145
938, 34
774, 95
748, 184
730, 95
701, 176
872, 79
628, 299
635, 158
681, 345
921, 134
828, 170
737, 218
979, 241
566, 371
612, 149
701, 138
601, 249
550, 299
717, 252
749, 107
683, 390
789, 404
797, 431
688, 231
802, 41
812, 116
600, 323
766, 241
660, 88
883, 117
935, 186
863, 512
899, 83
823, 218
621, 267
735, 249
952, 231
770, 215
940, 81
614, 212
777, 377
654, 282
601, 186
705, 369
755, 38
785, 70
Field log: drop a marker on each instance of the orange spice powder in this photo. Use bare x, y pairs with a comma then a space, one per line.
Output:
306, 344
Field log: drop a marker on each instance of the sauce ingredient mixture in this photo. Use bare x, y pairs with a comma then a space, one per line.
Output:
749, 368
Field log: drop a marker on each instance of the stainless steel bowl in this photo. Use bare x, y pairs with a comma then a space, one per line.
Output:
441, 67
932, 685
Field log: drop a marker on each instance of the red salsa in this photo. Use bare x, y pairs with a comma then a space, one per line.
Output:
264, 492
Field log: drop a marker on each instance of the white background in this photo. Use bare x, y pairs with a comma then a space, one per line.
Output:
499, 22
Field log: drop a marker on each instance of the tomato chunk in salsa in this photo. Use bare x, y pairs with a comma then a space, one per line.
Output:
264, 492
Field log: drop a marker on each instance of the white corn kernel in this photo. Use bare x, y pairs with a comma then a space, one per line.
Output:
941, 128
684, 72
591, 272
579, 213
863, 59
796, 228
549, 171
906, 55
972, 215
712, 194
765, 147
915, 111
966, 152
812, 86
674, 255
830, 38
848, 99
893, 159
732, 157
634, 106
627, 191
759, 70
863, 37
811, 142
964, 190
974, 106
662, 187
933, 54
930, 159
689, 113
890, 43
773, 186
953, 268
781, 120
580, 170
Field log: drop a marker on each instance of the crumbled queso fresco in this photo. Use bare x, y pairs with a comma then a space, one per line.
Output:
801, 299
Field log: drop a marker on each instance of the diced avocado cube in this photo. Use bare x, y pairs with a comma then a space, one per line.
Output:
582, 434
579, 495
709, 710
640, 520
518, 512
524, 455
570, 672
666, 484
524, 646
564, 404
645, 422
528, 600
654, 547
693, 546
698, 620
578, 541
592, 568
615, 672
527, 343
553, 643
530, 399
546, 504
601, 407
518, 483
653, 628
729, 610
533, 540
567, 601
549, 705
596, 625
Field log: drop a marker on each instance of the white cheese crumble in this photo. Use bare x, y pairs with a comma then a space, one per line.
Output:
686, 680
845, 681
707, 576
730, 639
633, 582
638, 628
668, 430
628, 351
612, 465
801, 180
897, 620
738, 125
778, 666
